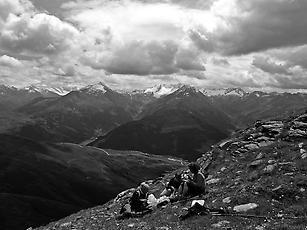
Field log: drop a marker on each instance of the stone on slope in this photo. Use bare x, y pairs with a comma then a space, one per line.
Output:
245, 207
269, 168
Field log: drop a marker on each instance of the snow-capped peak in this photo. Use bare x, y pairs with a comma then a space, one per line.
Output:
187, 90
162, 90
225, 92
98, 88
40, 89
61, 90
235, 91
32, 89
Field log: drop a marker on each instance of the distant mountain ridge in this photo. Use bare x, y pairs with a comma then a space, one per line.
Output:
85, 113
156, 91
184, 124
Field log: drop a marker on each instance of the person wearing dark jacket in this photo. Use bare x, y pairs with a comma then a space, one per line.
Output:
138, 201
172, 186
196, 185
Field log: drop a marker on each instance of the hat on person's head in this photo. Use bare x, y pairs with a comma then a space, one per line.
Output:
144, 187
194, 168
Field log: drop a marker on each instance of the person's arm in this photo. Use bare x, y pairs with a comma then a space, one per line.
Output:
198, 180
135, 197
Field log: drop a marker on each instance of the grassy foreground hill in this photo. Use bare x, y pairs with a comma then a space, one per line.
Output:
44, 182
265, 164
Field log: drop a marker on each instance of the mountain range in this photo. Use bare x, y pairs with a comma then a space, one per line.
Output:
62, 152
155, 120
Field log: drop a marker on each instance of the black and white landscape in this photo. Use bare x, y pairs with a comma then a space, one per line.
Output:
97, 96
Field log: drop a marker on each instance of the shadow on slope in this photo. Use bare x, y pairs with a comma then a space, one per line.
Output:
44, 182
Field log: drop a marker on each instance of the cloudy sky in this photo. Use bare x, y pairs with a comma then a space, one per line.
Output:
140, 43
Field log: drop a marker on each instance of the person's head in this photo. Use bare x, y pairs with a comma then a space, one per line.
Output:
178, 176
144, 187
194, 168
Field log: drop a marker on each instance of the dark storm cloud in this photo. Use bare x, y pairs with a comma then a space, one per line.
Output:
259, 25
287, 82
269, 66
296, 57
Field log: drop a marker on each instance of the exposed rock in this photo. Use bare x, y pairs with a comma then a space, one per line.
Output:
66, 224
254, 176
220, 224
269, 168
256, 163
265, 143
223, 169
302, 118
297, 133
212, 181
251, 146
277, 188
299, 125
162, 228
259, 156
271, 161
245, 207
227, 200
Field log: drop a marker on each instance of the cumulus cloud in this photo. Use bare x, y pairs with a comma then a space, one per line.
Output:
147, 58
200, 42
189, 59
254, 26
194, 4
37, 34
8, 7
141, 58
9, 61
268, 65
68, 70
220, 61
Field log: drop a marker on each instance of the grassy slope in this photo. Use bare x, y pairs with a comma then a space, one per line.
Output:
44, 182
281, 192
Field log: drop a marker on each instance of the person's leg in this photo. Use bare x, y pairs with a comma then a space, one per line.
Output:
185, 190
179, 191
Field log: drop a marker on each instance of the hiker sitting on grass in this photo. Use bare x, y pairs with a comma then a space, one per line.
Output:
193, 186
138, 201
172, 186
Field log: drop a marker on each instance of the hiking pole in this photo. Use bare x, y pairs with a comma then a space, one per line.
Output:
257, 216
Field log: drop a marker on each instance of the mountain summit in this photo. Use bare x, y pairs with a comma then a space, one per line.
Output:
96, 89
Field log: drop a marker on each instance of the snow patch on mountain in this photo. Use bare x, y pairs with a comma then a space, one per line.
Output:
225, 92
61, 90
96, 89
162, 90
